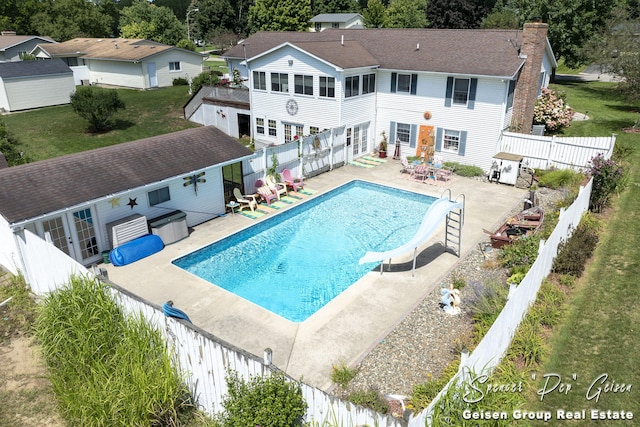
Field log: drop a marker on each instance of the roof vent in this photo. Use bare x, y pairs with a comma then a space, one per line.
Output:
342, 40
417, 46
8, 33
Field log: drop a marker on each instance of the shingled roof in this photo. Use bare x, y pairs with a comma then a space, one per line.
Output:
20, 69
117, 49
9, 41
39, 188
472, 52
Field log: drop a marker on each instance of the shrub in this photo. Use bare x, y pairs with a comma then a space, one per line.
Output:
552, 111
574, 252
96, 105
371, 399
106, 368
559, 178
464, 170
341, 374
9, 148
608, 178
180, 81
521, 253
208, 78
485, 306
270, 401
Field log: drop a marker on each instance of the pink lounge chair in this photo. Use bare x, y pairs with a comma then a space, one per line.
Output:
292, 182
266, 194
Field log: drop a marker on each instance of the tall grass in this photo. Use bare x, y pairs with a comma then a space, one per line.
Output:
107, 369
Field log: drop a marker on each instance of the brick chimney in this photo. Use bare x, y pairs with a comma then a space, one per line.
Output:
534, 42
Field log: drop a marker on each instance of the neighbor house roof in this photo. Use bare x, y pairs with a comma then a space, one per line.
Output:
117, 49
18, 69
35, 189
473, 52
335, 17
10, 41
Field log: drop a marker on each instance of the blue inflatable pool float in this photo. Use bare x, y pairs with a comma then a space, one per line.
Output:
170, 311
136, 250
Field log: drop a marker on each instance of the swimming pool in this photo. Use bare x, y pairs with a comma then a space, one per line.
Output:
297, 261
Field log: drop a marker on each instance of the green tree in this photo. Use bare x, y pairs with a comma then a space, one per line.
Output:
374, 14
333, 6
146, 21
212, 17
280, 15
458, 13
617, 52
178, 7
96, 105
406, 14
16, 15
501, 17
66, 19
9, 148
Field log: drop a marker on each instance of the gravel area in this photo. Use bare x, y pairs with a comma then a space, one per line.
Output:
423, 344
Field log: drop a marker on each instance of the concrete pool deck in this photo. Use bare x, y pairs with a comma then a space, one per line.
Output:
348, 327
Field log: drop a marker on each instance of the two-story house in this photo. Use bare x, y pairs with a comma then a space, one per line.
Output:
445, 92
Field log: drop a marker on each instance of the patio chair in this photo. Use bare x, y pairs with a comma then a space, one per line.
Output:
266, 194
280, 188
248, 200
443, 174
290, 181
420, 172
406, 166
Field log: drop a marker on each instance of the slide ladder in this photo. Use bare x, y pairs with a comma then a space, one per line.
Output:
453, 229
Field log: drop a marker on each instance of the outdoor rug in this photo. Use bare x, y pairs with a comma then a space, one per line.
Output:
307, 191
258, 213
377, 160
361, 164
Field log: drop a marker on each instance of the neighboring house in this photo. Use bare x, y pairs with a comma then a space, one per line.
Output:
134, 63
13, 46
34, 84
336, 20
451, 92
69, 200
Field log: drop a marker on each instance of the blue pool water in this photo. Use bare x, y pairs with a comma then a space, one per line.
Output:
297, 261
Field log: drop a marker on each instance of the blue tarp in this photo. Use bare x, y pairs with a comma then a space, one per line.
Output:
136, 249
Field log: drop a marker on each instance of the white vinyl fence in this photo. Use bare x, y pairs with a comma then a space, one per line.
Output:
545, 152
489, 352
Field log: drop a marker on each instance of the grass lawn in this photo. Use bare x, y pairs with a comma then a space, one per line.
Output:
56, 131
599, 340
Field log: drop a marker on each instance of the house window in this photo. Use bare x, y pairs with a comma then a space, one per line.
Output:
403, 132
259, 80
328, 87
407, 83
451, 140
368, 83
260, 125
303, 84
318, 26
272, 128
279, 82
314, 130
460, 91
174, 66
512, 88
335, 25
158, 196
352, 86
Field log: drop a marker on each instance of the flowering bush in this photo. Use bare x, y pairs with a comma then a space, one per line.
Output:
552, 111
608, 177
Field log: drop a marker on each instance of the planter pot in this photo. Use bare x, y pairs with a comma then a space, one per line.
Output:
382, 154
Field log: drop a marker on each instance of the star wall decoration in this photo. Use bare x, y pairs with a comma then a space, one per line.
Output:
132, 202
115, 202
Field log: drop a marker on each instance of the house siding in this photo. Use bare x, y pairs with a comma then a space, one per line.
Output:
8, 247
124, 74
13, 53
36, 92
190, 66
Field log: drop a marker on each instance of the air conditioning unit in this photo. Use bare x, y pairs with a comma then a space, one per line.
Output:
126, 229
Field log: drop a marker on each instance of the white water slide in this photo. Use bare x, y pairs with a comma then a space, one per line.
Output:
437, 211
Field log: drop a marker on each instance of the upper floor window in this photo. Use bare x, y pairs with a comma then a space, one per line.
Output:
303, 84
461, 91
174, 66
260, 125
328, 87
368, 83
159, 196
279, 82
351, 86
259, 80
407, 83
318, 26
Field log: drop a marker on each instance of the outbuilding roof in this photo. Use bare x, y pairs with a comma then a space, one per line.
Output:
117, 49
335, 17
471, 52
35, 189
19, 69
